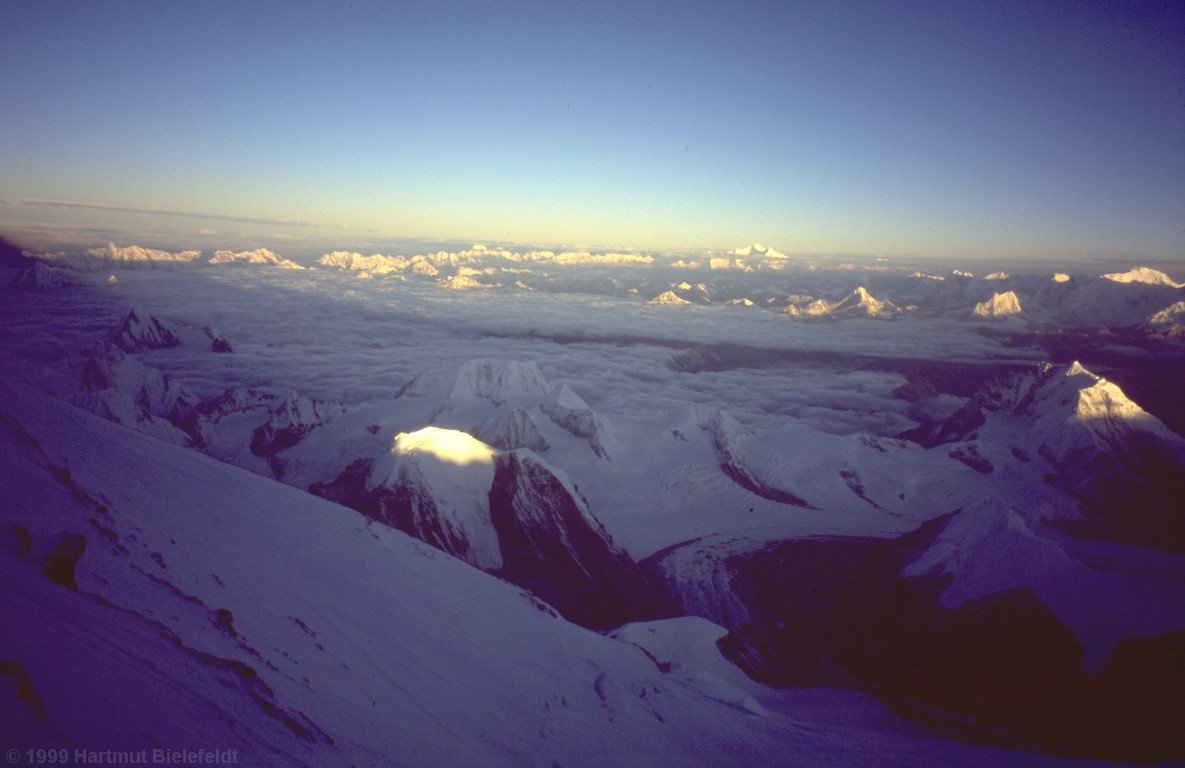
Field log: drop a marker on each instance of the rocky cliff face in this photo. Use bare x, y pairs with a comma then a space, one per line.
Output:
554, 546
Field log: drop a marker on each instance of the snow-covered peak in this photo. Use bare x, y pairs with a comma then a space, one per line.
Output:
498, 381
1066, 412
443, 477
123, 390
39, 277
862, 303
376, 264
816, 308
1088, 396
757, 249
112, 252
563, 396
1047, 388
1145, 275
291, 420
420, 266
1168, 318
448, 446
531, 463
569, 410
1102, 406
1073, 412
139, 330
461, 282
113, 255
259, 257
298, 411
584, 257
510, 430
1000, 305
458, 493
668, 298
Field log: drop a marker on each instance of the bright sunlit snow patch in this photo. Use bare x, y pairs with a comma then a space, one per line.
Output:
447, 445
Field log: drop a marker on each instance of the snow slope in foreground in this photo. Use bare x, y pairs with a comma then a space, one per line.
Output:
213, 608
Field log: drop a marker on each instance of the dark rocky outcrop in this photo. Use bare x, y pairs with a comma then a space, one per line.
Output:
59, 563
554, 547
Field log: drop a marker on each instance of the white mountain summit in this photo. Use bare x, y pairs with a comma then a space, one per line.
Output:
257, 257
1145, 275
859, 303
999, 306
757, 249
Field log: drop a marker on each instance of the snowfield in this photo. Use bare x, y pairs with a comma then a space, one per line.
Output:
609, 508
212, 606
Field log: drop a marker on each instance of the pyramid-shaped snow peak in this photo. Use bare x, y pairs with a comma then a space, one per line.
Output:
139, 330
668, 298
1065, 395
861, 303
1072, 395
1122, 465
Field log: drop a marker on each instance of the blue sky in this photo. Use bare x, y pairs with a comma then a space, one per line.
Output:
902, 128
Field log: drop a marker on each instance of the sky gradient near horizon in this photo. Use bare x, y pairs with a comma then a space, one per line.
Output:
898, 128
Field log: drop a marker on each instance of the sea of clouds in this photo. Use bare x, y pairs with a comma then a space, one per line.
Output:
328, 334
